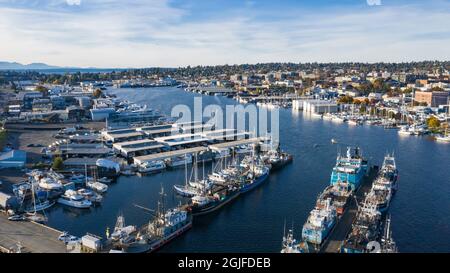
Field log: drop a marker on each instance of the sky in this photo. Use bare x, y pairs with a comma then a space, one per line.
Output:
173, 33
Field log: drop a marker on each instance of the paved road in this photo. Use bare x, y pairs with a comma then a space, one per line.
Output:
344, 225
33, 237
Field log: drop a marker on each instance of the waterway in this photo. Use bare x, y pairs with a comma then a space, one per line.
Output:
254, 222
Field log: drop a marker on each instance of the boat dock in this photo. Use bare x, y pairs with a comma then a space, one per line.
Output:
195, 150
343, 226
31, 236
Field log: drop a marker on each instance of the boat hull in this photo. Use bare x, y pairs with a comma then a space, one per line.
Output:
213, 206
258, 181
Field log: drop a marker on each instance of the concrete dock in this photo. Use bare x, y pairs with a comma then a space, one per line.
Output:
344, 225
33, 237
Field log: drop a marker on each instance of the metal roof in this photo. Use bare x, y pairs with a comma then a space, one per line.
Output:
159, 156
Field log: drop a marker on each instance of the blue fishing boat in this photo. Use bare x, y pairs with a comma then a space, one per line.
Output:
351, 168
319, 224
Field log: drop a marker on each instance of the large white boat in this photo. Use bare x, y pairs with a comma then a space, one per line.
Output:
90, 195
180, 161
121, 231
405, 131
47, 183
152, 166
443, 138
97, 186
72, 199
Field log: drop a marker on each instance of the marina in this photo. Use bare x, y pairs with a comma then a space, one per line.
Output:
143, 188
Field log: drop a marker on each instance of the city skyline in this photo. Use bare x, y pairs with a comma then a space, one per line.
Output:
164, 33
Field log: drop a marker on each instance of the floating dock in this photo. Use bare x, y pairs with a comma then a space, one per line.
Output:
32, 237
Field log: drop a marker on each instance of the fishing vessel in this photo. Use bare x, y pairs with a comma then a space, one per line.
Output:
339, 194
207, 202
319, 224
390, 172
165, 226
351, 168
290, 245
365, 229
72, 199
380, 194
277, 159
122, 231
254, 173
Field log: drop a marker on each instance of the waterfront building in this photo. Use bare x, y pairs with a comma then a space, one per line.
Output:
319, 106
433, 99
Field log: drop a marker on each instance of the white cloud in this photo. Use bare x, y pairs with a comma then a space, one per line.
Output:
373, 2
107, 33
73, 2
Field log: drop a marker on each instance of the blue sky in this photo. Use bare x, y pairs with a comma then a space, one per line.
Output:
170, 33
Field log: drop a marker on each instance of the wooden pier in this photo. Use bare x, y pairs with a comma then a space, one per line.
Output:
31, 236
343, 226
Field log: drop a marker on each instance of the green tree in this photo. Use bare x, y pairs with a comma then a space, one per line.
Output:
437, 88
433, 122
98, 93
345, 99
41, 88
58, 163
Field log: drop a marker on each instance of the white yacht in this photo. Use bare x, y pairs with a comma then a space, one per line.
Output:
104, 180
152, 166
97, 186
48, 183
405, 131
90, 195
443, 138
72, 199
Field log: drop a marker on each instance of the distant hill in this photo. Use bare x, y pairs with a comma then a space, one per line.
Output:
19, 66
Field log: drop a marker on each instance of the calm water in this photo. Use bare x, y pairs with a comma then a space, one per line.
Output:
254, 222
